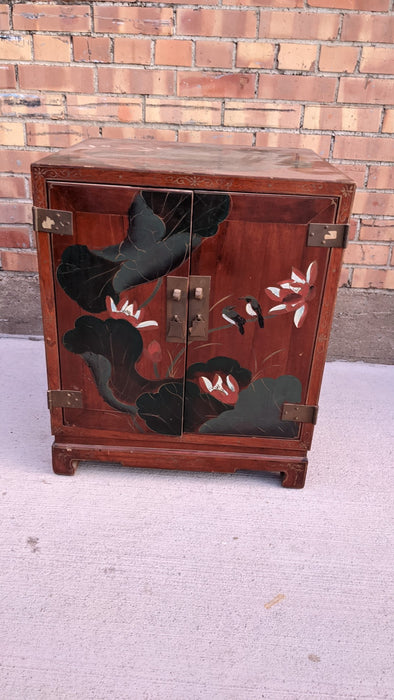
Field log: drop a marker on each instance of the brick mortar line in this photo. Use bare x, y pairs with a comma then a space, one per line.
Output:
179, 124
14, 200
77, 121
373, 217
371, 266
367, 174
176, 102
204, 6
382, 116
188, 127
234, 52
340, 26
252, 101
379, 244
201, 69
357, 231
357, 43
221, 39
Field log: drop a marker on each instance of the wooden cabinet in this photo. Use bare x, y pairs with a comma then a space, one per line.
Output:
187, 296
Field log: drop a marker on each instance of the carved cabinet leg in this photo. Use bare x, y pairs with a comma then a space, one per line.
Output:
63, 462
293, 476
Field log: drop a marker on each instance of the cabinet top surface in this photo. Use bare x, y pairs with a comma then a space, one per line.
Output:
189, 159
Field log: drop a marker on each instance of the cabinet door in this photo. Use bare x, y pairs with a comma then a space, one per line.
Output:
111, 304
266, 291
121, 301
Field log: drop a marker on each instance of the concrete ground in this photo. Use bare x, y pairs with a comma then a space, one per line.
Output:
132, 584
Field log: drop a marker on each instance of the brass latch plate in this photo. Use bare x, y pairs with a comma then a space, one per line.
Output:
53, 221
327, 235
176, 309
64, 398
199, 291
300, 413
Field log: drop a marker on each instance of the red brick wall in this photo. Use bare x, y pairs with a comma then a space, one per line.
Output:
310, 73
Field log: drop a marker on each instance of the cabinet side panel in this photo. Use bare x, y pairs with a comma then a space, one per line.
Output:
345, 202
47, 294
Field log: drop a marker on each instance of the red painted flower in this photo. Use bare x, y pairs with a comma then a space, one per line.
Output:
224, 389
154, 351
127, 312
294, 293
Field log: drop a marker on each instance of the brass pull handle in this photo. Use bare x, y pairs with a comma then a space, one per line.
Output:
199, 307
177, 294
176, 309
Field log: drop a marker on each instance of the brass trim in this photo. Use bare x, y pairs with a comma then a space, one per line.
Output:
53, 221
327, 235
300, 413
64, 398
198, 316
176, 309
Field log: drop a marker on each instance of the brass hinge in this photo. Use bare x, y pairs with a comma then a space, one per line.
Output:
328, 235
300, 413
64, 398
53, 221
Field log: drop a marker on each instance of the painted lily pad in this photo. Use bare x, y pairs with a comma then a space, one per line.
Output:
162, 410
111, 348
257, 411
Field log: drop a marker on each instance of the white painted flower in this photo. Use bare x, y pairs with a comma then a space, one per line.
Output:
225, 390
294, 293
130, 312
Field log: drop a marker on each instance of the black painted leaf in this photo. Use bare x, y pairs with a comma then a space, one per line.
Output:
200, 408
151, 263
258, 409
120, 344
209, 210
173, 208
87, 278
162, 410
101, 369
157, 242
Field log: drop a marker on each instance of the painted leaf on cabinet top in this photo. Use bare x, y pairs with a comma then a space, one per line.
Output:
157, 242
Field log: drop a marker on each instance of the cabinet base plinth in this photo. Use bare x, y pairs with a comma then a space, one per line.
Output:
65, 459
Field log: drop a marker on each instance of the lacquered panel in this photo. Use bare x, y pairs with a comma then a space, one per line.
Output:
111, 302
265, 299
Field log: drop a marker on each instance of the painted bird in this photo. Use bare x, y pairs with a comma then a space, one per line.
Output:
231, 316
253, 308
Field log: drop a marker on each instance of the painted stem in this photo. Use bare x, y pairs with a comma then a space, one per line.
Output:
175, 360
156, 289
